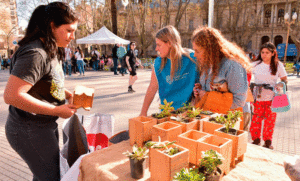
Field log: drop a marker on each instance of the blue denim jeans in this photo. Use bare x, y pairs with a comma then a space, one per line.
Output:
65, 65
38, 146
80, 66
115, 65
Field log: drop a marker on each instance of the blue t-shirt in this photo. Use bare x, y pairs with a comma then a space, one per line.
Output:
235, 76
181, 88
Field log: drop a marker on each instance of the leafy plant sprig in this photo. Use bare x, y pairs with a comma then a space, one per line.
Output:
137, 153
190, 174
210, 161
158, 144
232, 118
166, 109
171, 151
193, 113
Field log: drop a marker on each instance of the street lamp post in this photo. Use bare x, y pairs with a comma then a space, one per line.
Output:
289, 23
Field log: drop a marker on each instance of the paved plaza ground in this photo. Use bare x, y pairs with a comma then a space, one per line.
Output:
111, 97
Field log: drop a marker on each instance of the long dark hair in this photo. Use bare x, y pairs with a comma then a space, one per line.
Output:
274, 61
80, 51
39, 25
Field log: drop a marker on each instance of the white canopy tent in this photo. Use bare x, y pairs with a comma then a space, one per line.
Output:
102, 37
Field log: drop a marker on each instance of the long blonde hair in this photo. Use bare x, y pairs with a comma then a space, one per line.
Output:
216, 48
171, 35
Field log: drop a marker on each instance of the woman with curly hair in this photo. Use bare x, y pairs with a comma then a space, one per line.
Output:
220, 61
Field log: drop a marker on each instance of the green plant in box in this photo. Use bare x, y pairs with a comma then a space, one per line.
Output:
166, 109
231, 118
180, 118
190, 174
193, 113
210, 161
137, 153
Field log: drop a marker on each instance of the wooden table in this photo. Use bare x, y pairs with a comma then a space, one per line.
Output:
260, 164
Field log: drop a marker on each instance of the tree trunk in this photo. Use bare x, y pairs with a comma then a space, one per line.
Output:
297, 43
114, 17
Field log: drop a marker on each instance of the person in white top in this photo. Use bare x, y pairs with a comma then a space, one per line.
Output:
79, 56
68, 61
267, 69
95, 60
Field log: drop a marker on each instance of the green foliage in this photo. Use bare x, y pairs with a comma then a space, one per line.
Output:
210, 161
187, 106
166, 109
232, 118
158, 144
186, 174
172, 151
137, 153
193, 113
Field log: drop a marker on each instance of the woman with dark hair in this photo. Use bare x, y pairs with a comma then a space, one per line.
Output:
130, 62
35, 89
79, 56
267, 69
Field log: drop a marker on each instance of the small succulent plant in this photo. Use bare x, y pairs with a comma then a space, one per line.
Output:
137, 153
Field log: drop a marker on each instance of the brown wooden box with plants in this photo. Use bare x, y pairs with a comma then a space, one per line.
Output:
219, 144
239, 143
140, 130
164, 166
167, 131
190, 141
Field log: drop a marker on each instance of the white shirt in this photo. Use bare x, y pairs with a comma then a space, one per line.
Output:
68, 53
262, 75
78, 56
97, 53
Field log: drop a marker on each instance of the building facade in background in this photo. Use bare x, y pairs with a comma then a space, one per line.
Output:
9, 29
247, 23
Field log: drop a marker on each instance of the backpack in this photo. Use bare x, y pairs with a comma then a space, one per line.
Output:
94, 56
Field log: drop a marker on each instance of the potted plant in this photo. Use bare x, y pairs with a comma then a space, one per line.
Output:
156, 145
140, 130
209, 124
165, 162
209, 165
185, 122
219, 144
167, 131
239, 137
166, 110
194, 113
190, 140
189, 174
230, 120
137, 161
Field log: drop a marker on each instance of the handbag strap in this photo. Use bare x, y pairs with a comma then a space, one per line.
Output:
284, 88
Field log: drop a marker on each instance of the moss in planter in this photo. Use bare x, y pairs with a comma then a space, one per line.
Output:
172, 151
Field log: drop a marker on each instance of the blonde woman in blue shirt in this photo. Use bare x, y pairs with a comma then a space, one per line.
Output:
174, 73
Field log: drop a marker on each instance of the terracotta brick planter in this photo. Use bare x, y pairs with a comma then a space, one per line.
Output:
140, 130
208, 127
239, 144
190, 141
164, 167
219, 144
192, 125
167, 131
